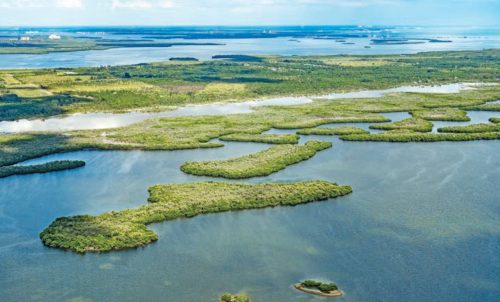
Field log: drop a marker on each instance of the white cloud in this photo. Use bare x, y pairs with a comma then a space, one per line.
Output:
166, 4
69, 3
25, 4
132, 4
21, 3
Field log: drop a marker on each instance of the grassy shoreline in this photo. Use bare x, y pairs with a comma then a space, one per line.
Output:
396, 136
42, 168
332, 131
413, 124
262, 138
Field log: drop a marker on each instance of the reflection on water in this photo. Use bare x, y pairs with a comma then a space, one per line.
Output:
421, 225
110, 120
449, 88
476, 117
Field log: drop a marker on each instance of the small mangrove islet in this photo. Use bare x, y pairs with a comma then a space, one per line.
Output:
262, 163
117, 230
227, 297
319, 288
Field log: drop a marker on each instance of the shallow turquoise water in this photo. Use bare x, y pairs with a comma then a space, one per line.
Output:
421, 225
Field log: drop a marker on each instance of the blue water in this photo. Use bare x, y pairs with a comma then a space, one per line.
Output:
421, 225
463, 38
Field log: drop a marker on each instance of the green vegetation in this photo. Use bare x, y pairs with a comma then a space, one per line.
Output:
332, 131
324, 287
484, 107
44, 45
234, 298
442, 114
321, 286
43, 168
262, 138
495, 120
160, 85
16, 148
127, 229
405, 136
262, 163
413, 124
127, 87
474, 128
198, 131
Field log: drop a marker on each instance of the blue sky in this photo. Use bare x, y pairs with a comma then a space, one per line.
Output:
249, 12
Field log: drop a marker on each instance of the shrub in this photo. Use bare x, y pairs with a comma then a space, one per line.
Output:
227, 297
311, 283
259, 164
327, 287
127, 229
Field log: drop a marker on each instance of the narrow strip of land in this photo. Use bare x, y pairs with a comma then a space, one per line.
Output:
261, 163
262, 138
332, 131
42, 168
127, 229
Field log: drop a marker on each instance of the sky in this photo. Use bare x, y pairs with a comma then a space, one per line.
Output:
249, 12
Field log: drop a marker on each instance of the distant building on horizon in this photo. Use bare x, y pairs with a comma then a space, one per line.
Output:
24, 38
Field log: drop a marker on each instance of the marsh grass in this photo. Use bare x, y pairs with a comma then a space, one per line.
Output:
157, 85
262, 163
442, 114
42, 168
413, 124
405, 136
332, 131
125, 229
474, 128
262, 138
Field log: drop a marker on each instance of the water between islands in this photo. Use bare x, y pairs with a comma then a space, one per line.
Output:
110, 120
421, 225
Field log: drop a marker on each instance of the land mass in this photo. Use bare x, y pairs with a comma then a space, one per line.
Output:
157, 86
259, 164
130, 87
126, 229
